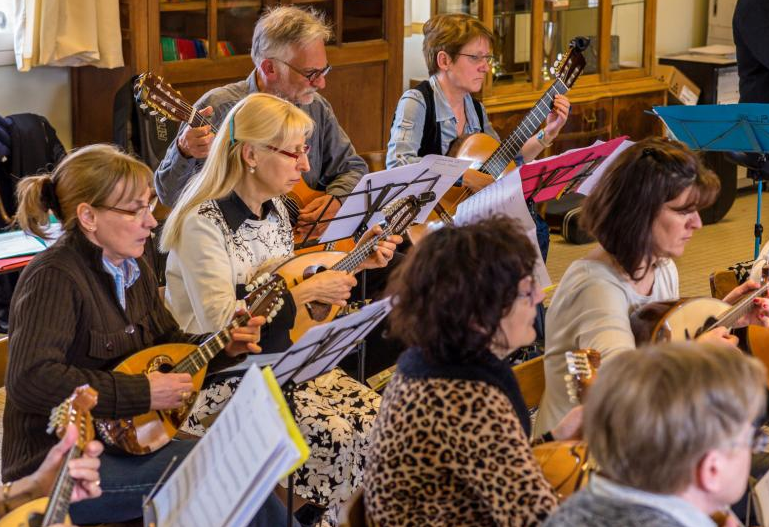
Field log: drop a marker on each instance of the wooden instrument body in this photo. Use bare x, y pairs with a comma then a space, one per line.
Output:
675, 321
31, 513
301, 195
564, 465
297, 270
757, 343
148, 432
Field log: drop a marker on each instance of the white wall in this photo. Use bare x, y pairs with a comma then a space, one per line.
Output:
44, 91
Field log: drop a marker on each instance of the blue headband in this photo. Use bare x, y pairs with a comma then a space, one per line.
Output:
232, 130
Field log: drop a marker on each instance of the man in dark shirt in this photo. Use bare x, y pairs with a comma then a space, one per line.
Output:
750, 25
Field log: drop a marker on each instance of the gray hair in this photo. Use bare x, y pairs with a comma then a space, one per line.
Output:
284, 26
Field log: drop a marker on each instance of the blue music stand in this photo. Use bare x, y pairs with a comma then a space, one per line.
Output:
722, 128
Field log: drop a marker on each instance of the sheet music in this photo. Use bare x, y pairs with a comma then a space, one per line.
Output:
436, 173
234, 467
761, 495
343, 332
592, 180
19, 243
504, 196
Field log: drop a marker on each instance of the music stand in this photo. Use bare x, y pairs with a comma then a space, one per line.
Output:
723, 128
317, 352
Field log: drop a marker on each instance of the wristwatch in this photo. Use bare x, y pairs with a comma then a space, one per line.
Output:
542, 141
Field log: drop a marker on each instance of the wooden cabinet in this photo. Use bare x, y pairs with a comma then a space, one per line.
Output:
617, 86
198, 45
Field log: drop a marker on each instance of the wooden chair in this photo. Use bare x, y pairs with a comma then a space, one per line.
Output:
721, 282
374, 159
531, 380
353, 511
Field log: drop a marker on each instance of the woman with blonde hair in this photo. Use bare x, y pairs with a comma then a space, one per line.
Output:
228, 225
80, 308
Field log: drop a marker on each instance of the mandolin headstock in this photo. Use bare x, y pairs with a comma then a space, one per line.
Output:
76, 409
161, 98
265, 297
581, 368
573, 63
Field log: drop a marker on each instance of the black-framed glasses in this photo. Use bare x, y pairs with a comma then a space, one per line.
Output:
139, 213
477, 59
311, 75
305, 150
531, 293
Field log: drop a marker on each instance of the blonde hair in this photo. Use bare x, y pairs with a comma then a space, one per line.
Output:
87, 175
285, 26
653, 413
449, 33
259, 120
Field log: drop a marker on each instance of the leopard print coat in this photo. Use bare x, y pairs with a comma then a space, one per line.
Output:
452, 451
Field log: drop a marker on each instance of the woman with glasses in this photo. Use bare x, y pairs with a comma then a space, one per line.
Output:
80, 308
457, 49
642, 212
227, 227
450, 446
672, 429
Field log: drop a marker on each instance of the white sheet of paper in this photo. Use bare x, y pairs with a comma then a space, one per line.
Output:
504, 196
348, 329
19, 243
234, 467
587, 186
447, 169
761, 493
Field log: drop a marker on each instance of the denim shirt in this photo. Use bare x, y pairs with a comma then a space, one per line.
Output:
409, 123
124, 276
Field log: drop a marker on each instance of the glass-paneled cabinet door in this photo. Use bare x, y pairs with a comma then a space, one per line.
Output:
363, 20
235, 20
512, 41
627, 34
468, 7
326, 7
183, 30
564, 20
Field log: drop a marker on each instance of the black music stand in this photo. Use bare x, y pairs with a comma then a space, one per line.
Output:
317, 352
733, 128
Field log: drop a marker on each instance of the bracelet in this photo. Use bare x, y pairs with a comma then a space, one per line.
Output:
541, 139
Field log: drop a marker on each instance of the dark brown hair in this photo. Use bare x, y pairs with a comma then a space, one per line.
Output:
452, 290
623, 206
449, 33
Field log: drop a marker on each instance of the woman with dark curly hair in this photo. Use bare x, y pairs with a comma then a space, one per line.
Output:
643, 212
450, 445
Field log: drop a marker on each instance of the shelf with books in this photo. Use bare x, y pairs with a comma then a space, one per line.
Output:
183, 6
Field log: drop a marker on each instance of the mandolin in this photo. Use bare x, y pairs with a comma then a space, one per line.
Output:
54, 509
146, 433
565, 464
498, 159
687, 318
398, 215
155, 94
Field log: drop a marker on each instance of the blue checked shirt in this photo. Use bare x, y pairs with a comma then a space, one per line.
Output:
124, 276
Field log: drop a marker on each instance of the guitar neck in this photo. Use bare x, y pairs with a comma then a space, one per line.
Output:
511, 147
198, 120
739, 309
350, 262
58, 504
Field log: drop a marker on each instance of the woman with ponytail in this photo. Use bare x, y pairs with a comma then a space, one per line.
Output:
80, 308
227, 226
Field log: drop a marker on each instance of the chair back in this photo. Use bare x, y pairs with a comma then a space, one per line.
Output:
531, 380
375, 160
353, 512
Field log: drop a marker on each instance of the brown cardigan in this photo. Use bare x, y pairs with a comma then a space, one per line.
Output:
67, 328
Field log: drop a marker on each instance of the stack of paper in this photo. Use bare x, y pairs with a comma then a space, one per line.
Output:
231, 471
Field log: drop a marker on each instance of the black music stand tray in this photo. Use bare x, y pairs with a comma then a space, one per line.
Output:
742, 128
319, 351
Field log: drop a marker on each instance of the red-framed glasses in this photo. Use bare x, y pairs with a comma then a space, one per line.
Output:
305, 150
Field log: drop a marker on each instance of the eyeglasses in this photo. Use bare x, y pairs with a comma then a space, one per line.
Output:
758, 441
531, 293
138, 214
295, 155
311, 75
478, 59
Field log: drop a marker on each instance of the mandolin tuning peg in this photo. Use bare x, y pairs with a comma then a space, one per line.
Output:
153, 112
143, 106
281, 302
163, 119
268, 318
249, 287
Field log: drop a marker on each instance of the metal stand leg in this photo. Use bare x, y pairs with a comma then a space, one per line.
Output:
758, 229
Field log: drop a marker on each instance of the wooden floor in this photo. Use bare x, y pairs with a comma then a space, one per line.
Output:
712, 248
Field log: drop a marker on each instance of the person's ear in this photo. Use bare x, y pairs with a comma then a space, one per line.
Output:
249, 155
268, 68
443, 60
709, 471
86, 216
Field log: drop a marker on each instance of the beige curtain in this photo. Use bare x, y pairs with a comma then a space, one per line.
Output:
67, 33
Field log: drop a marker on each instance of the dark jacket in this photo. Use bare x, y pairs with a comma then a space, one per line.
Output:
750, 26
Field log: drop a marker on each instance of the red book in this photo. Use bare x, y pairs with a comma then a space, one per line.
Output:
186, 49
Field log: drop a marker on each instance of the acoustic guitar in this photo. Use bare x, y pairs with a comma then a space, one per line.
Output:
498, 159
159, 97
146, 433
398, 215
47, 511
687, 318
565, 464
